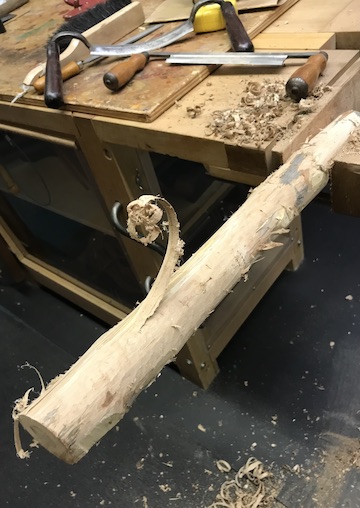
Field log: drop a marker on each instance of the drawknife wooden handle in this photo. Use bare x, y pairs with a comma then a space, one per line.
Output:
53, 79
67, 71
124, 71
239, 39
304, 79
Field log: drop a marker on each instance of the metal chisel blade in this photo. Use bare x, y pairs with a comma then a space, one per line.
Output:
128, 41
134, 49
160, 42
246, 59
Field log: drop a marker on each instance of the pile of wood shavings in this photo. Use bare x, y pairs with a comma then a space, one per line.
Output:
257, 119
353, 144
249, 489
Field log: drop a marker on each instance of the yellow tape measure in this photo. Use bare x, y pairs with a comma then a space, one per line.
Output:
210, 19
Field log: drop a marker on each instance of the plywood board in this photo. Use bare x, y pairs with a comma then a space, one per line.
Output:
151, 93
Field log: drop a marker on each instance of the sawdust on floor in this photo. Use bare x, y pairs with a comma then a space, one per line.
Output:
251, 487
340, 456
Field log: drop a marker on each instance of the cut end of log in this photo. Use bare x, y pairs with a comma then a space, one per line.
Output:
47, 439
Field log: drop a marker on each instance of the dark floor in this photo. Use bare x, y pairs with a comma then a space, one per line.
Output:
287, 393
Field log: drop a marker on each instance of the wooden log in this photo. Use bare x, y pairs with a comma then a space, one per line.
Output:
79, 407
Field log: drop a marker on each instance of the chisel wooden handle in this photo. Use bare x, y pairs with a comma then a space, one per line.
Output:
122, 73
67, 71
239, 39
304, 79
53, 80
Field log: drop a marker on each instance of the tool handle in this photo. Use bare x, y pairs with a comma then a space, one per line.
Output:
240, 41
53, 80
304, 79
67, 71
122, 73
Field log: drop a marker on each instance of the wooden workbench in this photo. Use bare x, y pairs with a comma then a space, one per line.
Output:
114, 134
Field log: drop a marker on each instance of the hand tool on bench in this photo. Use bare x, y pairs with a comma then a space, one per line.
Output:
124, 71
80, 6
53, 75
208, 19
222, 15
204, 20
304, 79
243, 59
178, 33
88, 13
119, 75
73, 68
53, 81
239, 38
110, 28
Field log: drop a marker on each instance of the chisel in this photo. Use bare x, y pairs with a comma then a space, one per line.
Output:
304, 79
122, 72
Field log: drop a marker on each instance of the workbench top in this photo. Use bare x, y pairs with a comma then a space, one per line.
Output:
174, 129
149, 94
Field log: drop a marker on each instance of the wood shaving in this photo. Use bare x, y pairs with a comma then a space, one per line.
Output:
223, 466
249, 489
257, 119
194, 111
140, 464
19, 406
352, 146
145, 213
272, 245
165, 487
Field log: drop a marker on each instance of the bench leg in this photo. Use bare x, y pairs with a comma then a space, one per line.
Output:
13, 266
195, 363
297, 245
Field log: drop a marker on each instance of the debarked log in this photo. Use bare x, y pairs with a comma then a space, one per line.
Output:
80, 406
